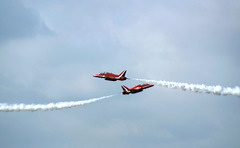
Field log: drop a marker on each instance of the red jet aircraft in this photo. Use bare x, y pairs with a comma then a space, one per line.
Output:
135, 89
111, 76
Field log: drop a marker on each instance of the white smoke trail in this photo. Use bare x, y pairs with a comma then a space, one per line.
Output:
51, 106
217, 90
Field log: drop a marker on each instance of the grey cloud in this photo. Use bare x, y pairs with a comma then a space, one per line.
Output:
17, 21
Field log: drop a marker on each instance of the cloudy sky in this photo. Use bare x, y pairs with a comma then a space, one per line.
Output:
49, 51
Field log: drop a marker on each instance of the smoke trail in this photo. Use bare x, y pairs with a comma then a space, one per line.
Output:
217, 90
51, 106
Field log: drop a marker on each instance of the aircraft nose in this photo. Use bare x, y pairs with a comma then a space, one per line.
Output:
95, 75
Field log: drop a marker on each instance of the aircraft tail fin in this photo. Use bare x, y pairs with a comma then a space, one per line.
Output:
125, 89
122, 74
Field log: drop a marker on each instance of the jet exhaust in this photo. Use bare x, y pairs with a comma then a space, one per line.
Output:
45, 107
216, 90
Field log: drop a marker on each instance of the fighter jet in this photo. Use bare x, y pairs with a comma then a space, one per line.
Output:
135, 89
111, 76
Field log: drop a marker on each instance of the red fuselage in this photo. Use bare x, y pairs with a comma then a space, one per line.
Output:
135, 89
111, 76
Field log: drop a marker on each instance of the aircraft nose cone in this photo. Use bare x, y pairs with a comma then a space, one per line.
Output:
95, 75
